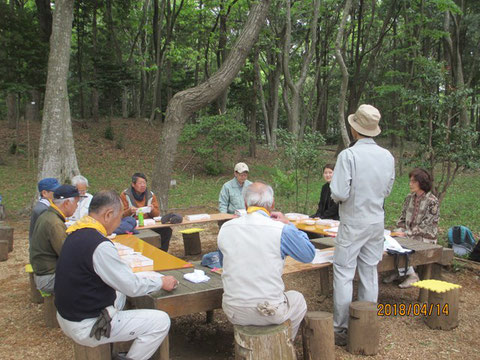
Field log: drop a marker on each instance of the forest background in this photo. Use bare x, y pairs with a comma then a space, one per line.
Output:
283, 111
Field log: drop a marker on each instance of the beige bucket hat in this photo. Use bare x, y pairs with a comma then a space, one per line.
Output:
365, 120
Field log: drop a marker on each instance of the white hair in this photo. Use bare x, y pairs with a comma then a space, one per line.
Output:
258, 194
59, 202
79, 179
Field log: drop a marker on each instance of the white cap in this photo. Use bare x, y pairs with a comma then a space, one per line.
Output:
241, 167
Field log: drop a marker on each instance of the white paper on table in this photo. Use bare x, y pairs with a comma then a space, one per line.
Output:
296, 216
333, 229
149, 275
391, 243
137, 260
146, 222
144, 209
328, 222
123, 249
195, 217
197, 276
323, 257
157, 218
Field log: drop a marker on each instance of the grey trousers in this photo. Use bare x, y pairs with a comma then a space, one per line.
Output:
356, 247
45, 283
294, 309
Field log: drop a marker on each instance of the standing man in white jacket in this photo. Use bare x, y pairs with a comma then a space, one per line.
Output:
363, 178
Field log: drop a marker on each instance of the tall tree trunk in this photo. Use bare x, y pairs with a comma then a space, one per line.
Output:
57, 151
95, 96
12, 110
44, 18
186, 102
343, 68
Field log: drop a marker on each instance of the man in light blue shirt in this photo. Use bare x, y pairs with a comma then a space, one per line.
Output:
363, 178
231, 198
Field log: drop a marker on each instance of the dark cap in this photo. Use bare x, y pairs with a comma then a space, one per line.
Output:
49, 184
66, 191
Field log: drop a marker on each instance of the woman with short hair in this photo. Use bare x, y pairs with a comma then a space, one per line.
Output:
419, 218
327, 208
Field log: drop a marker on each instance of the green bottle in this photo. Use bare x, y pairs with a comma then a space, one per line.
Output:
140, 218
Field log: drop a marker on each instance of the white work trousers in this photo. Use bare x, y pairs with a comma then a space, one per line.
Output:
148, 327
294, 309
355, 247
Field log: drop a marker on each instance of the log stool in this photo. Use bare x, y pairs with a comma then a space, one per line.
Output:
49, 310
363, 320
191, 241
35, 295
264, 342
3, 250
6, 233
100, 352
443, 304
317, 334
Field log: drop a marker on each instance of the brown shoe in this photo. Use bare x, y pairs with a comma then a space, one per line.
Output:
413, 278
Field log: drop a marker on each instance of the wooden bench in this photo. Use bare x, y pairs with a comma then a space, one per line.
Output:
150, 237
6, 233
106, 351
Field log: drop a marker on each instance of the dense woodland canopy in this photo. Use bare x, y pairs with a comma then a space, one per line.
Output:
416, 60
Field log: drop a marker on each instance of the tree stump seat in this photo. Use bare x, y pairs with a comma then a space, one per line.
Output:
317, 334
49, 310
3, 250
191, 241
441, 311
35, 295
271, 342
363, 320
6, 233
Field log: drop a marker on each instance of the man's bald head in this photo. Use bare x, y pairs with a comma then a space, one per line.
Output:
259, 194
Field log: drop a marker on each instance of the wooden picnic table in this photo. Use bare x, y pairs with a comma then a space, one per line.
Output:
213, 217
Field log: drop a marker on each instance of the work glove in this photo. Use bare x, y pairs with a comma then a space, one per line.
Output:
102, 326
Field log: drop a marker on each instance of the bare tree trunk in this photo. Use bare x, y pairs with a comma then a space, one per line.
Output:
44, 18
343, 68
258, 80
57, 152
95, 96
186, 102
125, 102
12, 110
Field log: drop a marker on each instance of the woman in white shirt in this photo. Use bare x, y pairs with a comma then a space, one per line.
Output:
81, 183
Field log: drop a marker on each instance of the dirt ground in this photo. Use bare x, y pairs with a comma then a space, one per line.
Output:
23, 334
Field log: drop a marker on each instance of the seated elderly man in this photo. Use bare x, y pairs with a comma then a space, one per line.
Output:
231, 198
137, 196
81, 183
49, 234
90, 289
254, 247
46, 187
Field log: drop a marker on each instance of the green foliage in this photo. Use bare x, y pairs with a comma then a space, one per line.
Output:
283, 183
109, 133
120, 144
300, 158
212, 137
13, 148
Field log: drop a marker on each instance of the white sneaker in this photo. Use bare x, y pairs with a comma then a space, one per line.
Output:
413, 278
391, 278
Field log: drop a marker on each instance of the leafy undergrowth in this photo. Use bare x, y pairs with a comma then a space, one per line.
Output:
108, 167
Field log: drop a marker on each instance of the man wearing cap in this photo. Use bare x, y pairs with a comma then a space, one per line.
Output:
363, 178
90, 289
137, 196
231, 197
46, 187
49, 234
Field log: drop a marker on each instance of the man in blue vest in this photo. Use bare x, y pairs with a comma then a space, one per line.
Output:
92, 282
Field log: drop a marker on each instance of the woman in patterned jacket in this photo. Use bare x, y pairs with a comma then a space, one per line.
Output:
419, 218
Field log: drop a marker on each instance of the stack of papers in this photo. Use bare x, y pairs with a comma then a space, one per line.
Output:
296, 216
123, 249
333, 229
144, 209
322, 257
197, 217
138, 262
328, 222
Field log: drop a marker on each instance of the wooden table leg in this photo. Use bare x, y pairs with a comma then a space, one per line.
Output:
209, 316
324, 281
163, 352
